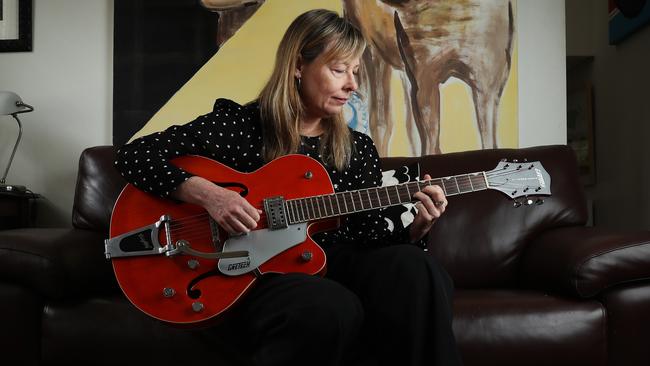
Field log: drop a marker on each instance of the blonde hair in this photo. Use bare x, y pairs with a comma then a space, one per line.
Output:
313, 34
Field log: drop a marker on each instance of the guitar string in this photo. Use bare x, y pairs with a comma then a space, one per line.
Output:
320, 207
391, 196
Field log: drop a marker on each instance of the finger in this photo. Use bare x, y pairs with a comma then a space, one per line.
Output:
437, 195
427, 206
246, 219
250, 211
226, 226
236, 225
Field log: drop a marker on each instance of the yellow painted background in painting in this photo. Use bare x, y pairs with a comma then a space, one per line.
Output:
242, 66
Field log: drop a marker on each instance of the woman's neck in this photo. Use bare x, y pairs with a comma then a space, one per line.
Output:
311, 127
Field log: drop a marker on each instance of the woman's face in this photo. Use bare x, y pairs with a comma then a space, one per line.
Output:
326, 87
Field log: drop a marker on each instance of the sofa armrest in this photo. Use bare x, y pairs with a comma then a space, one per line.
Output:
583, 261
56, 263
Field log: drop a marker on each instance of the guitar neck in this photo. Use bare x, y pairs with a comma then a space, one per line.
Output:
343, 203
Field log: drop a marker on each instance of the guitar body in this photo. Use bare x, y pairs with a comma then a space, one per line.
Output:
175, 264
188, 290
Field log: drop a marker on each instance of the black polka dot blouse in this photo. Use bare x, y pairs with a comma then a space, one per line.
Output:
232, 135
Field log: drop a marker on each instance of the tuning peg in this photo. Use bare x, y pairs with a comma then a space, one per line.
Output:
528, 201
539, 201
516, 203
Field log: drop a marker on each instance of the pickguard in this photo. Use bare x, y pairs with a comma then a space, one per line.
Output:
262, 245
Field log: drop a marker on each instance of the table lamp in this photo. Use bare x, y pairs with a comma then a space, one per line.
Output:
11, 104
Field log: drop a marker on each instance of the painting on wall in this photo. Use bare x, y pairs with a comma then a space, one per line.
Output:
441, 78
626, 17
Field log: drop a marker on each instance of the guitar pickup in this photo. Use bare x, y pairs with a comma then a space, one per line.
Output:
276, 213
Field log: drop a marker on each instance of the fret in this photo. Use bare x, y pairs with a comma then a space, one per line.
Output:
294, 208
450, 189
322, 199
441, 184
460, 182
388, 196
470, 182
354, 208
477, 178
301, 210
457, 187
320, 213
378, 198
287, 209
360, 199
331, 212
305, 208
328, 199
313, 211
337, 204
369, 199
399, 199
345, 203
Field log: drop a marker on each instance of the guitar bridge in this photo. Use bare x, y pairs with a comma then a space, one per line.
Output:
276, 214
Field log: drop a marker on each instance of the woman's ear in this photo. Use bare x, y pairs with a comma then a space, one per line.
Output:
298, 71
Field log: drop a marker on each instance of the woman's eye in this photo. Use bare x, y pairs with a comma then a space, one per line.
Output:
339, 71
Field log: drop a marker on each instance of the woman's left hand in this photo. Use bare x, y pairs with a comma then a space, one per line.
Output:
431, 205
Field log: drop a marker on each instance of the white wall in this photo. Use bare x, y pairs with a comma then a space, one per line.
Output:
542, 72
68, 79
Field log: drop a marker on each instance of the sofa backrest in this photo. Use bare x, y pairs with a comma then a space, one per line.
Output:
98, 186
481, 236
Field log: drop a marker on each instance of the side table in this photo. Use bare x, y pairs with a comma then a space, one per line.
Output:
17, 209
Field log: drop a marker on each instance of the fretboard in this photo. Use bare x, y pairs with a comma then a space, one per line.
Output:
343, 203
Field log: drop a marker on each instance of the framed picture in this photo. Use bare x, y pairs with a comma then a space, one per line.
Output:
15, 25
580, 130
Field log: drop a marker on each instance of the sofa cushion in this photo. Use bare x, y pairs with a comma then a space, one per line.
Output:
584, 261
56, 263
528, 328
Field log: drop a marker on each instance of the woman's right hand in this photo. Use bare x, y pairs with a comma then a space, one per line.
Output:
230, 210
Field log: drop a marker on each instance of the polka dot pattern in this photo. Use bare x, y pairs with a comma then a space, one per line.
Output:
232, 135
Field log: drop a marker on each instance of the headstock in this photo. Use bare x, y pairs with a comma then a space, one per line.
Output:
520, 179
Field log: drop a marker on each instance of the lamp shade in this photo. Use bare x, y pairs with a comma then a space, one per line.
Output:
10, 103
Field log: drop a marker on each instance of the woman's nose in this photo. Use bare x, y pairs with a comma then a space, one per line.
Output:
351, 83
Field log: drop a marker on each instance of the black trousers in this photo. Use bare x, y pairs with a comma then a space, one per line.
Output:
376, 306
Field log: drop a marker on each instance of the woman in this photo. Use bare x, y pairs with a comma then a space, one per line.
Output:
380, 303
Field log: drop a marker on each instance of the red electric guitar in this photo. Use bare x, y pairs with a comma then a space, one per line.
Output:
174, 263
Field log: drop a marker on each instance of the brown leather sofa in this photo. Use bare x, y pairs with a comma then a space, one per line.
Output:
534, 286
